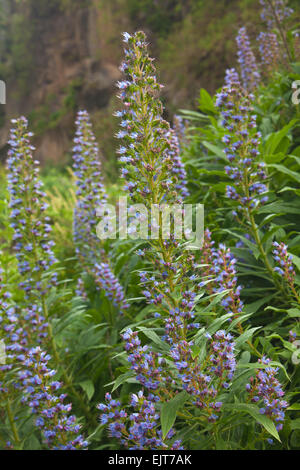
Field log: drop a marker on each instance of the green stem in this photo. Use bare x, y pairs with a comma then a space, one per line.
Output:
12, 423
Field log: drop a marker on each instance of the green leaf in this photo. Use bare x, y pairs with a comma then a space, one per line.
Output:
153, 336
254, 306
253, 410
282, 169
275, 139
195, 351
88, 387
280, 207
296, 261
206, 103
122, 379
295, 424
294, 406
2, 352
215, 150
169, 411
275, 158
293, 312
244, 337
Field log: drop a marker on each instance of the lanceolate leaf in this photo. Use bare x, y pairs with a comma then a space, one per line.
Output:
169, 411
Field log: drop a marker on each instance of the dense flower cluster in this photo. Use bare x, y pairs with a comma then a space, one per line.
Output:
269, 51
242, 141
232, 78
180, 128
249, 69
285, 262
285, 267
27, 213
147, 162
107, 281
266, 388
18, 331
176, 166
204, 382
274, 12
142, 433
58, 428
91, 196
90, 190
219, 274
225, 278
146, 364
12, 335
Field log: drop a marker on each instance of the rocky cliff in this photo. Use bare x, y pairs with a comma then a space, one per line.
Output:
61, 55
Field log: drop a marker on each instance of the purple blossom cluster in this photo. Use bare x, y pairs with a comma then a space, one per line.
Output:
269, 51
275, 12
17, 331
285, 262
90, 190
232, 78
177, 320
80, 288
91, 196
32, 245
219, 274
180, 320
12, 334
265, 388
25, 370
242, 141
225, 278
284, 265
177, 167
249, 68
147, 365
142, 432
180, 127
108, 282
58, 427
204, 381
147, 151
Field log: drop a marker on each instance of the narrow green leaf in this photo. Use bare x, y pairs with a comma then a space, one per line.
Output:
169, 411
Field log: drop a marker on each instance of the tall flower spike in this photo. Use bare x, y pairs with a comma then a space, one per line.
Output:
225, 278
142, 433
242, 141
269, 52
274, 11
145, 152
145, 363
204, 381
91, 196
57, 426
12, 336
90, 190
180, 128
106, 280
249, 69
176, 166
265, 389
27, 214
285, 267
232, 77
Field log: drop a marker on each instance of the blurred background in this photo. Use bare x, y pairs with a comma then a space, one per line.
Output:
58, 56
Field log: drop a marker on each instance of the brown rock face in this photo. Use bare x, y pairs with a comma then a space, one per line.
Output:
68, 72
